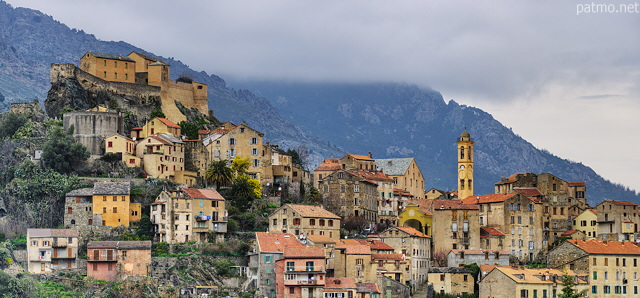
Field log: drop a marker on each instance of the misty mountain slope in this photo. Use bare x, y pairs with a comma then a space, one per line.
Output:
399, 120
30, 41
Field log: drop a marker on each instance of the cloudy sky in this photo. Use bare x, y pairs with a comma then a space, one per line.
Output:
564, 75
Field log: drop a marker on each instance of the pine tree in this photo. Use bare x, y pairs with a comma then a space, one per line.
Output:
568, 288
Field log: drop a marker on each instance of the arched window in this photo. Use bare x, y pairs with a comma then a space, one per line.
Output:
73, 221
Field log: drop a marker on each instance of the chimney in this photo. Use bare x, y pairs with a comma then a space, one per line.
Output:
370, 155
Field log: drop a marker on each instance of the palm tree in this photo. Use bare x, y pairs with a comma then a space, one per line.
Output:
219, 173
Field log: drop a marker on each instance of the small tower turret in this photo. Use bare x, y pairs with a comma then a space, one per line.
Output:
465, 165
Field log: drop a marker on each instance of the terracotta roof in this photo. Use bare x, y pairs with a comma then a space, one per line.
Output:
377, 245
374, 176
275, 242
485, 269
491, 231
479, 251
162, 141
568, 233
607, 247
336, 283
529, 276
198, 193
424, 205
330, 164
401, 192
367, 288
168, 122
412, 231
361, 157
453, 204
387, 257
619, 202
492, 198
320, 239
299, 252
312, 211
594, 210
576, 183
349, 242
355, 249
511, 179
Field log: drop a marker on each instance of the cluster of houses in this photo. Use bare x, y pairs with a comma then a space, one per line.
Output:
411, 237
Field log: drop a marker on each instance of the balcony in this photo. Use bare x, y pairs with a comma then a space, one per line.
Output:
72, 256
201, 229
304, 269
159, 152
60, 242
202, 217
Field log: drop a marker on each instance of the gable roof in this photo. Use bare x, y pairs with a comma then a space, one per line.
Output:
599, 247
394, 166
329, 164
491, 198
411, 231
619, 202
275, 242
147, 57
453, 205
320, 239
168, 122
46, 233
568, 233
198, 193
528, 191
312, 211
360, 157
367, 288
358, 249
490, 232
337, 283
529, 276
377, 176
576, 183
111, 56
111, 188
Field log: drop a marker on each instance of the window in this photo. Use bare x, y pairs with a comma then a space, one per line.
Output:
606, 289
254, 151
356, 188
310, 266
256, 162
232, 141
104, 209
331, 224
594, 289
268, 259
115, 209
343, 188
595, 275
254, 141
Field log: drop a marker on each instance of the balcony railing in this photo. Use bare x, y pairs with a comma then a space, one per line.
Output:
301, 282
159, 152
304, 269
202, 217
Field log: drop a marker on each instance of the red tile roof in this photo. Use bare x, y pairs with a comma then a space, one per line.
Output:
368, 288
320, 239
137, 128
330, 164
355, 249
424, 205
198, 193
528, 191
276, 242
374, 176
161, 140
576, 184
203, 131
168, 122
337, 283
312, 211
511, 178
412, 231
568, 233
491, 231
361, 157
300, 252
401, 193
378, 245
620, 202
453, 204
607, 247
492, 198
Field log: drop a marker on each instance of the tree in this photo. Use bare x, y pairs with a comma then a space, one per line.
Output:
244, 191
568, 288
219, 173
240, 166
10, 123
156, 113
62, 153
354, 223
189, 129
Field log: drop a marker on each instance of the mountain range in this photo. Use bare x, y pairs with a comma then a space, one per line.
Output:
330, 119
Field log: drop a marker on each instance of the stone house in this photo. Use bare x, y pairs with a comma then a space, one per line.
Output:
348, 194
452, 280
458, 225
327, 167
416, 247
189, 214
358, 162
304, 220
405, 173
457, 257
157, 125
491, 238
267, 249
105, 204
51, 249
113, 260
328, 245
353, 259
301, 273
509, 282
518, 217
394, 266
617, 220
611, 267
163, 158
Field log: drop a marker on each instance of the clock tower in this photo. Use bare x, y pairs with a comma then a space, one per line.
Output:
465, 165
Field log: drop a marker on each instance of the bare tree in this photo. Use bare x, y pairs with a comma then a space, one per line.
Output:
439, 258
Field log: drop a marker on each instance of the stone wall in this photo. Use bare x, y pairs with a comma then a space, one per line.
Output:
568, 256
91, 128
397, 289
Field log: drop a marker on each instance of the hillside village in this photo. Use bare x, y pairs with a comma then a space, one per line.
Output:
186, 205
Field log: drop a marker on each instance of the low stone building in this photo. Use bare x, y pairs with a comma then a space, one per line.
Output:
305, 220
267, 249
51, 249
458, 257
113, 260
509, 282
452, 280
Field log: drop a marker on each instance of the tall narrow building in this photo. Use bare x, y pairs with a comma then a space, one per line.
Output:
465, 165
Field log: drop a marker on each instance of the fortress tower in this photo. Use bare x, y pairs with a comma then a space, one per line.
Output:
465, 165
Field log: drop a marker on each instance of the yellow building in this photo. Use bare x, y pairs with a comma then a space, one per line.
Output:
587, 222
326, 168
109, 67
354, 260
112, 201
417, 216
304, 220
125, 147
405, 173
465, 165
155, 126
416, 247
189, 215
394, 266
509, 282
163, 158
457, 225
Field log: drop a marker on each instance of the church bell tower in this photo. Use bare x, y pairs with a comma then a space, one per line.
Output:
465, 165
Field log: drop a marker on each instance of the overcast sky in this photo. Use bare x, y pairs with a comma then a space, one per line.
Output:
564, 79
